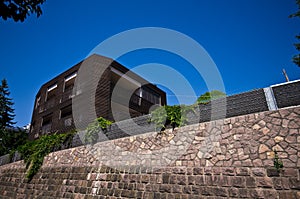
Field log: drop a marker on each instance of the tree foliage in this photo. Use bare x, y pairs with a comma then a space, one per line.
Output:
208, 96
18, 10
176, 115
94, 128
11, 139
6, 110
296, 58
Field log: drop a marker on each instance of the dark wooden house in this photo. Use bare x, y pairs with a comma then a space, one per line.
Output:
89, 89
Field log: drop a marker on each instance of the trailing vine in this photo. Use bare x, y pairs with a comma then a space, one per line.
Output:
92, 130
33, 152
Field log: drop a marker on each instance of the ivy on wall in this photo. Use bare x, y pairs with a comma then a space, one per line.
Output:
33, 152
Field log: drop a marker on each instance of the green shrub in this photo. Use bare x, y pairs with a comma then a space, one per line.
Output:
208, 96
93, 129
33, 152
175, 116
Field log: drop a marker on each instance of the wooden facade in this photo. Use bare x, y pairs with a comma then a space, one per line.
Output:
73, 90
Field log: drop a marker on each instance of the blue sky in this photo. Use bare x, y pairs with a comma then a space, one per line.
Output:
250, 41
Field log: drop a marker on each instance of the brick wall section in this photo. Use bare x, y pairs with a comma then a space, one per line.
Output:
228, 158
239, 104
287, 94
171, 182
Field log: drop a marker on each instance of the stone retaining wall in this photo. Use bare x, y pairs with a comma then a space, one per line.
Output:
228, 158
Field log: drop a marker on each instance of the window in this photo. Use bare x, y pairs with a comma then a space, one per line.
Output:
51, 92
151, 96
69, 81
47, 120
66, 111
47, 123
66, 115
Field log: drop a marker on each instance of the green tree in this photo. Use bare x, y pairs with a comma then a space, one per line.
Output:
296, 58
18, 10
9, 138
6, 110
208, 96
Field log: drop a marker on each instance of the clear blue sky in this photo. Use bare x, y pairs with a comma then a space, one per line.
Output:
249, 40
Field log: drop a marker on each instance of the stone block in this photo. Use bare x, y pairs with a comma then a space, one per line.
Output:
228, 171
176, 189
233, 192
238, 181
220, 191
144, 178
191, 180
257, 163
200, 180
263, 148
206, 191
273, 172
149, 195
294, 183
215, 179
290, 172
253, 193
242, 171
277, 182
270, 193
165, 188
187, 190
250, 182
243, 193
182, 180
289, 195
198, 171
264, 182
173, 179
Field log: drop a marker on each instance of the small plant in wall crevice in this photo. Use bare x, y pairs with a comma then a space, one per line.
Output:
278, 164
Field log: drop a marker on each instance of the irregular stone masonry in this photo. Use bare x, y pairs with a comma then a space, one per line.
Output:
248, 140
229, 158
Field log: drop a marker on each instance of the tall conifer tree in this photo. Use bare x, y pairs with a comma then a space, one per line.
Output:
6, 110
